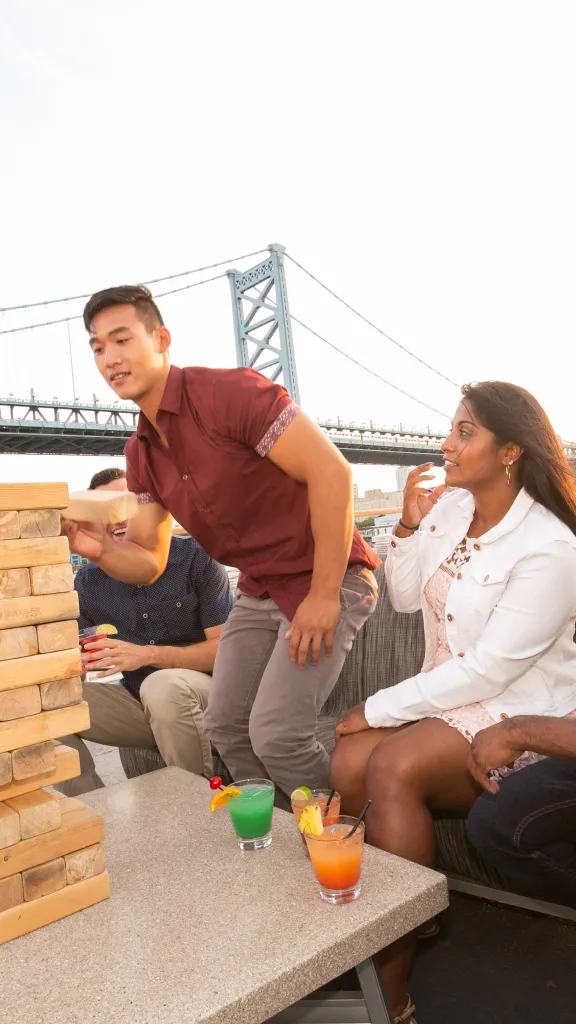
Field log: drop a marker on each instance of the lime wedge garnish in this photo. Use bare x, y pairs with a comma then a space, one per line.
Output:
107, 628
302, 793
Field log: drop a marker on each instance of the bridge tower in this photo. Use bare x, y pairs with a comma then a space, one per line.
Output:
262, 320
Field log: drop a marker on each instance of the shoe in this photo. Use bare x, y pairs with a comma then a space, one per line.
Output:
428, 930
406, 1016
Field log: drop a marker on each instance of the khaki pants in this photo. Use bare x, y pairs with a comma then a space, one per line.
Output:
263, 709
169, 718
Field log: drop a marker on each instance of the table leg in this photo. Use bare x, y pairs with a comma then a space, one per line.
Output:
373, 992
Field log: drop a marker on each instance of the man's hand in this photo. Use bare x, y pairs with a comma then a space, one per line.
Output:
117, 656
492, 748
353, 720
86, 539
314, 622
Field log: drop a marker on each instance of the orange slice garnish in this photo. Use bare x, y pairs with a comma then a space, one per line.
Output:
221, 798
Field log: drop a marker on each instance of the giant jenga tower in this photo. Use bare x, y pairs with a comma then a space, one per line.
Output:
51, 854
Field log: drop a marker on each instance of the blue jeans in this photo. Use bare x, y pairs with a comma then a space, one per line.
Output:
528, 830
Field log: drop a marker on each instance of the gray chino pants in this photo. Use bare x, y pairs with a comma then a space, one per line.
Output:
262, 709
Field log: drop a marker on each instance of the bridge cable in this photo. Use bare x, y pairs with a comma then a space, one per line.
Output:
371, 324
367, 368
154, 280
78, 316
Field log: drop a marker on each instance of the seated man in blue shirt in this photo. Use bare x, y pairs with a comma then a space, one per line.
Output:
165, 649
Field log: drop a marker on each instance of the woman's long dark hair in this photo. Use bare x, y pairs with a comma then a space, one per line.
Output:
513, 415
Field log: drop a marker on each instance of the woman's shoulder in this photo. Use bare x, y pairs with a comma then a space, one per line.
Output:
547, 527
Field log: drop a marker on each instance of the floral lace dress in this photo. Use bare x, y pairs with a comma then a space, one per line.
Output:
470, 718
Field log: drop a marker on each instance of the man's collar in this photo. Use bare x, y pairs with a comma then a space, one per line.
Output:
170, 402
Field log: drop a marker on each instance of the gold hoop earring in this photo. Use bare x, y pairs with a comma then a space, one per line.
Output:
508, 473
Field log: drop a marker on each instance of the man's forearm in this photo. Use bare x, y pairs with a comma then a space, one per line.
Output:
128, 562
198, 657
553, 737
332, 520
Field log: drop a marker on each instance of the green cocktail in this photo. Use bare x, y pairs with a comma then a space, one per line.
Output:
251, 813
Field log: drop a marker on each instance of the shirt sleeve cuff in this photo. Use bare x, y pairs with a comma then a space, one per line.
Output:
289, 412
375, 711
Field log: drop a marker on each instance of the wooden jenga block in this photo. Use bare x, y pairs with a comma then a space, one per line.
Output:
39, 812
9, 827
40, 523
43, 668
14, 583
85, 864
81, 827
58, 636
33, 760
52, 579
49, 725
44, 879
43, 495
11, 893
30, 611
66, 766
20, 703
18, 643
61, 693
101, 506
5, 770
30, 916
9, 525
21, 554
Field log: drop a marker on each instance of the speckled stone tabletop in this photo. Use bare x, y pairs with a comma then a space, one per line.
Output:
197, 932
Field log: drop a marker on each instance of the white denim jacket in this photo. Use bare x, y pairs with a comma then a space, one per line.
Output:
510, 615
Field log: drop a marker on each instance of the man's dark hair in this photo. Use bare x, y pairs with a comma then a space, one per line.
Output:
106, 476
125, 295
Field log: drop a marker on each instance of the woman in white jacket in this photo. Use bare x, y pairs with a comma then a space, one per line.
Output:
492, 567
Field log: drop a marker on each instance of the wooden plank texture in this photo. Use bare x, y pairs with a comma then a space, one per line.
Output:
44, 879
19, 554
101, 506
20, 703
29, 762
43, 668
81, 827
39, 812
30, 611
18, 643
5, 770
30, 916
9, 827
58, 636
66, 766
11, 893
85, 864
14, 583
9, 525
40, 523
60, 694
25, 496
52, 579
49, 725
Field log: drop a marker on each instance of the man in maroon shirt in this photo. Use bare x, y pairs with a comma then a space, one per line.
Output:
257, 484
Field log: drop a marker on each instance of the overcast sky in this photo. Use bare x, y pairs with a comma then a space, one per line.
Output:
418, 157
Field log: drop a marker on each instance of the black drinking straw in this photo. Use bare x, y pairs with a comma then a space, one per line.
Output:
328, 802
358, 820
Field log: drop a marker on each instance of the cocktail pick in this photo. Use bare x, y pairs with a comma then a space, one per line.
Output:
328, 802
359, 820
216, 782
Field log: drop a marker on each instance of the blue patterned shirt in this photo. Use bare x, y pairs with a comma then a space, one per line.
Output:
191, 595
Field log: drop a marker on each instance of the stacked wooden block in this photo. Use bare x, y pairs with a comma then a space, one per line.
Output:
51, 853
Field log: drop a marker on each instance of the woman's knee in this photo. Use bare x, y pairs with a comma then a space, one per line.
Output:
392, 767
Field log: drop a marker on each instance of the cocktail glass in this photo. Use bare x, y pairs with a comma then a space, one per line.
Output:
337, 860
320, 797
89, 636
251, 813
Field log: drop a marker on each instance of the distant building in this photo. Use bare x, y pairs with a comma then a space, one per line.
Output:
376, 500
402, 476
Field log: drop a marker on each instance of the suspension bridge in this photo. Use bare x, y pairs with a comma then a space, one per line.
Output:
263, 337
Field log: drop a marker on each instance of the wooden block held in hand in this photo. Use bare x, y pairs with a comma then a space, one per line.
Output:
61, 693
85, 863
66, 766
101, 506
9, 827
14, 583
5, 769
30, 611
9, 525
58, 636
18, 643
11, 892
42, 668
33, 760
42, 495
40, 523
20, 703
49, 725
52, 579
43, 880
39, 813
21, 554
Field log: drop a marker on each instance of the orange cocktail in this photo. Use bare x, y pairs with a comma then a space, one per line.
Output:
320, 797
337, 860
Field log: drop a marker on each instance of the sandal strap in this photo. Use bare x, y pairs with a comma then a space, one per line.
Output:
406, 1016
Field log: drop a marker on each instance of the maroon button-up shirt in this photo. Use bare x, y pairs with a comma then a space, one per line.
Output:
215, 480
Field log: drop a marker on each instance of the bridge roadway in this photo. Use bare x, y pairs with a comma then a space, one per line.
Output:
56, 427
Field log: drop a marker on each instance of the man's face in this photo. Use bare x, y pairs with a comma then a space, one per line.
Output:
116, 530
131, 357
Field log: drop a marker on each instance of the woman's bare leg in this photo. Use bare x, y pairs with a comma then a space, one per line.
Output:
349, 763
